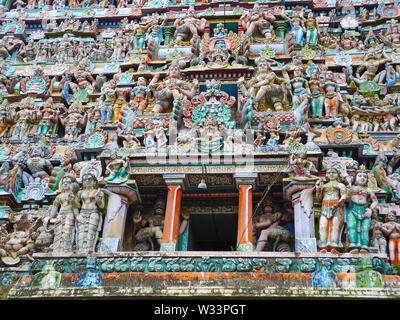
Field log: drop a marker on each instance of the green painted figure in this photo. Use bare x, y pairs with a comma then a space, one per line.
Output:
311, 29
359, 215
116, 170
317, 94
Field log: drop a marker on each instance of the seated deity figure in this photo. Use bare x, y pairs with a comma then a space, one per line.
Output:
368, 69
148, 236
37, 164
347, 43
300, 168
18, 243
266, 86
392, 35
168, 90
333, 195
116, 170
188, 27
258, 21
362, 202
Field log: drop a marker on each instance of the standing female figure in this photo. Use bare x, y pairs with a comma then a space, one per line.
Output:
89, 219
332, 194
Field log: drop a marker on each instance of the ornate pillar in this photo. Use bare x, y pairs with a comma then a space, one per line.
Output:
245, 183
175, 183
168, 32
120, 197
301, 195
281, 27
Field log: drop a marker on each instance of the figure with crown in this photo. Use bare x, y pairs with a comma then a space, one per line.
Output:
362, 202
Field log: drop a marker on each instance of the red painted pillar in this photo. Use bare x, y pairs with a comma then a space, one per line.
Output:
169, 240
245, 223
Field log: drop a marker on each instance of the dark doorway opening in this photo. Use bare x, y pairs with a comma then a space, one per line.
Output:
212, 232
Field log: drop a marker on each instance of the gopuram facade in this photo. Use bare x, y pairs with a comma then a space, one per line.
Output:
184, 148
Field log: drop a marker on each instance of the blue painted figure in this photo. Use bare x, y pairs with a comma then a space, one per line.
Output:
297, 32
323, 277
90, 277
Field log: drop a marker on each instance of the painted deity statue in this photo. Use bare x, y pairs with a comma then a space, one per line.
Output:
317, 94
116, 170
188, 27
42, 235
22, 117
119, 46
73, 121
62, 214
139, 95
48, 117
84, 78
155, 31
297, 31
347, 43
332, 95
258, 21
377, 238
38, 165
150, 228
311, 29
19, 243
271, 230
170, 89
333, 195
368, 69
139, 36
391, 230
107, 100
300, 92
362, 202
89, 219
300, 168
266, 85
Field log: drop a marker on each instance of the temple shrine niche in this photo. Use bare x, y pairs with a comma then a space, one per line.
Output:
243, 139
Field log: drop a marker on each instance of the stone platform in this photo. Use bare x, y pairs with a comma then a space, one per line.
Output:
255, 275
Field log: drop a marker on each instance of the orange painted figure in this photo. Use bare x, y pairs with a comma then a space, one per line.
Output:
391, 229
332, 194
139, 95
332, 95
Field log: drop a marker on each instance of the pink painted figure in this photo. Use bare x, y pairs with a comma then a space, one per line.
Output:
391, 229
271, 230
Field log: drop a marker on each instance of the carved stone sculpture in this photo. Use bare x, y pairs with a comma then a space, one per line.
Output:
63, 213
89, 220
